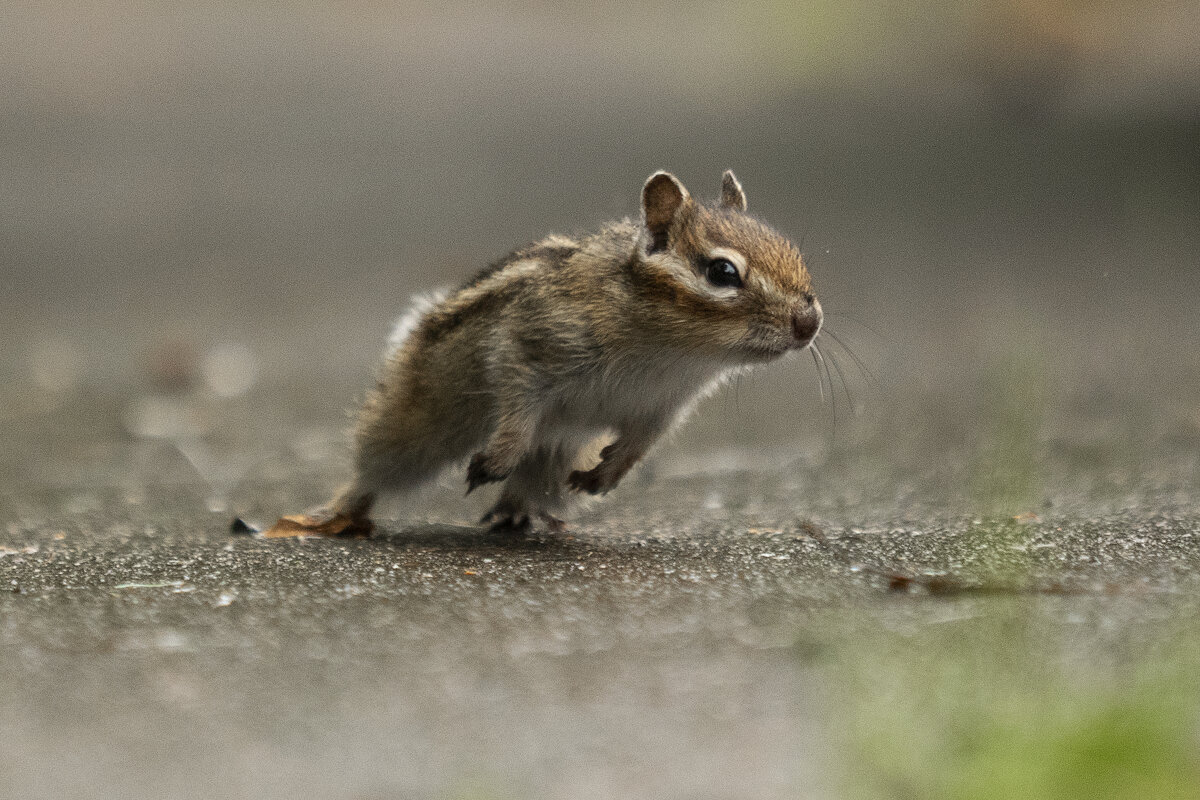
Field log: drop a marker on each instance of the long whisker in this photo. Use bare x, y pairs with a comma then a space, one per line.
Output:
874, 381
820, 380
857, 321
832, 396
845, 384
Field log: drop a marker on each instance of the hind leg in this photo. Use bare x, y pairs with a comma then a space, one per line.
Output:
398, 447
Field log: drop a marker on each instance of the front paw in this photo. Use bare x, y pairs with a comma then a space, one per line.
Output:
480, 471
592, 481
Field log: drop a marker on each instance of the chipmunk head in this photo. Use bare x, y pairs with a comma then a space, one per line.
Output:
718, 280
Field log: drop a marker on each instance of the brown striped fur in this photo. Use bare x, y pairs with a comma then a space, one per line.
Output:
610, 336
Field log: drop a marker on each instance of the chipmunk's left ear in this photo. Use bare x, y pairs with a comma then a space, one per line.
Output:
732, 195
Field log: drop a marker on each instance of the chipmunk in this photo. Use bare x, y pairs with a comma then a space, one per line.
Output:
566, 340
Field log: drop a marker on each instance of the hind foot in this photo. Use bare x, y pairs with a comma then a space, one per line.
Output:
321, 522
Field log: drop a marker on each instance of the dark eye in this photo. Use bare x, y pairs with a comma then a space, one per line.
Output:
722, 272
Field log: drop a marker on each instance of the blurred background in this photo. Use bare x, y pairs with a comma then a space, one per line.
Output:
226, 198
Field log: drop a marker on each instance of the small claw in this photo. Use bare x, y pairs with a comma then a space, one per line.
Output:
586, 481
478, 473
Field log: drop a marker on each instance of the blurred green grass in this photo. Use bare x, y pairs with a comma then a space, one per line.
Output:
971, 711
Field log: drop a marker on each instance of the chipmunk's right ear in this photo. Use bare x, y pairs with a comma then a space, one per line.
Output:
663, 197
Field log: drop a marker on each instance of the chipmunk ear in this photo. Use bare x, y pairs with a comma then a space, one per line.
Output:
732, 195
662, 198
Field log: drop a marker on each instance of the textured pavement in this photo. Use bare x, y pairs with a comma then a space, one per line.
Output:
691, 636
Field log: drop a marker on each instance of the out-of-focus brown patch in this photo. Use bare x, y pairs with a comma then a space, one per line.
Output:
173, 366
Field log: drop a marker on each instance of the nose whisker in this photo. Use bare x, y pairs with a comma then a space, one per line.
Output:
816, 363
845, 384
842, 315
874, 381
832, 395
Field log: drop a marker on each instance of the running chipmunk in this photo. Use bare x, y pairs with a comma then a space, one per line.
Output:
614, 334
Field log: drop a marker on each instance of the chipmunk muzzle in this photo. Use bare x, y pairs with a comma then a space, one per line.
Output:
806, 324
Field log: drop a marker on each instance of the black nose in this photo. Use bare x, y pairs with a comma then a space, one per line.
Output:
805, 326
